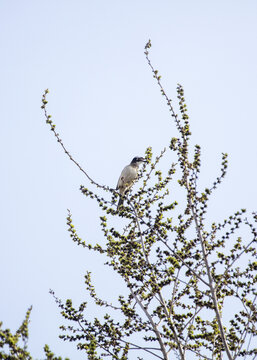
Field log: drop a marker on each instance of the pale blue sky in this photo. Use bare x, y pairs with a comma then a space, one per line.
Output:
107, 108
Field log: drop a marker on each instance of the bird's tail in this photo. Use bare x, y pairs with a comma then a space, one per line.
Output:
120, 203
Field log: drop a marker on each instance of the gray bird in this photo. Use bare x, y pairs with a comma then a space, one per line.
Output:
128, 177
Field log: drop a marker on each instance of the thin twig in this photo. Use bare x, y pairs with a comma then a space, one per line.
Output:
59, 140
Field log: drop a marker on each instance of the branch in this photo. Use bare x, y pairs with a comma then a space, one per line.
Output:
244, 333
59, 140
212, 288
236, 258
142, 348
158, 78
198, 227
162, 301
155, 329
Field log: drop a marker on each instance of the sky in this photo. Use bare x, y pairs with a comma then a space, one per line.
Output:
108, 109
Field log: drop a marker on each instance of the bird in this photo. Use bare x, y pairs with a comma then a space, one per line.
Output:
128, 177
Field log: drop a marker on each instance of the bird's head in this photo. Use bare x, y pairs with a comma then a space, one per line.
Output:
137, 160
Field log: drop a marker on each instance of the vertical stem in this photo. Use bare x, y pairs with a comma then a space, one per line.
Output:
162, 301
212, 288
155, 329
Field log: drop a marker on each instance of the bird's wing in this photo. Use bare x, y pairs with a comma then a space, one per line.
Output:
128, 175
121, 182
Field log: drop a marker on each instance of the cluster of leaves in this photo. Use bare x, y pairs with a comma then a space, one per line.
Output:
13, 350
15, 346
191, 289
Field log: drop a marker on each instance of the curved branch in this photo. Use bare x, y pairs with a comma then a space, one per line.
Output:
59, 140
